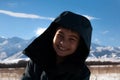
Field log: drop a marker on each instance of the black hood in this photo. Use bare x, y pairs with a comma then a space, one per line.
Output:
41, 47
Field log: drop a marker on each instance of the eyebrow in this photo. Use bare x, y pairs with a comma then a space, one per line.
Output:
74, 36
70, 35
60, 32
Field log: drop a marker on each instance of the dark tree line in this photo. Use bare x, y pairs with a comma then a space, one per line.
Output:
102, 63
23, 63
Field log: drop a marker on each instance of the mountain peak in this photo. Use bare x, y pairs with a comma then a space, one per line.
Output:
13, 46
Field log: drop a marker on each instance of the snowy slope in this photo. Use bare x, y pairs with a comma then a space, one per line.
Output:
12, 47
104, 53
11, 51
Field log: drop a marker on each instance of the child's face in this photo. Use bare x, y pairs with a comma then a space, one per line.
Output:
65, 42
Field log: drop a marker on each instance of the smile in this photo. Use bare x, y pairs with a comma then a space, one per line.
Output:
61, 48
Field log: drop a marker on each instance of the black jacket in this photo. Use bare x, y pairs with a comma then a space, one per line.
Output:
43, 56
62, 72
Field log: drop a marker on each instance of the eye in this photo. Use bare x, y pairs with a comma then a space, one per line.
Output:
60, 36
72, 39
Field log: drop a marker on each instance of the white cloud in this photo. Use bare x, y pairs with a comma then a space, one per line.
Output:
34, 16
90, 17
39, 31
105, 32
24, 15
97, 41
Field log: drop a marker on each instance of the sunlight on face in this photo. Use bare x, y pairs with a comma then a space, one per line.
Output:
65, 42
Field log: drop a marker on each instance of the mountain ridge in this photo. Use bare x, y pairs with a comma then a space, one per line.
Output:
11, 49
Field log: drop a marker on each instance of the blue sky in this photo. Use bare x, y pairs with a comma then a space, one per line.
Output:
28, 18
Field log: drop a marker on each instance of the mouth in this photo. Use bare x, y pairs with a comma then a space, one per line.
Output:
61, 48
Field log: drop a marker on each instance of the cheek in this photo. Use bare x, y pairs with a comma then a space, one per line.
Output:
74, 46
55, 40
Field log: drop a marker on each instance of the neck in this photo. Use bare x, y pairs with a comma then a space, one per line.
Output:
59, 59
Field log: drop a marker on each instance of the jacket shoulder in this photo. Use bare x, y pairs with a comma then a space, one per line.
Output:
82, 73
32, 71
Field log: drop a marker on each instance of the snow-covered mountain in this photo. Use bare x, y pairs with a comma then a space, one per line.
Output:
104, 53
11, 50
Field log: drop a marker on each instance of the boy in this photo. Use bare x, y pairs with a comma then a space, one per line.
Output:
60, 52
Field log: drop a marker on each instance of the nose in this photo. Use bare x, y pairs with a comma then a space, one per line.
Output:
63, 43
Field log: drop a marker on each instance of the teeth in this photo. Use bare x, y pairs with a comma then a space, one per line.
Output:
61, 48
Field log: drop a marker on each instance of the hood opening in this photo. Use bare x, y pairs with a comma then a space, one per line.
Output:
40, 50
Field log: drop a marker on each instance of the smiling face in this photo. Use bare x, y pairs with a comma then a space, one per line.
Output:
65, 42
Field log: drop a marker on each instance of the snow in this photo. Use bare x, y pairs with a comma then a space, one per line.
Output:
10, 54
13, 53
13, 60
103, 59
111, 76
4, 43
3, 55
